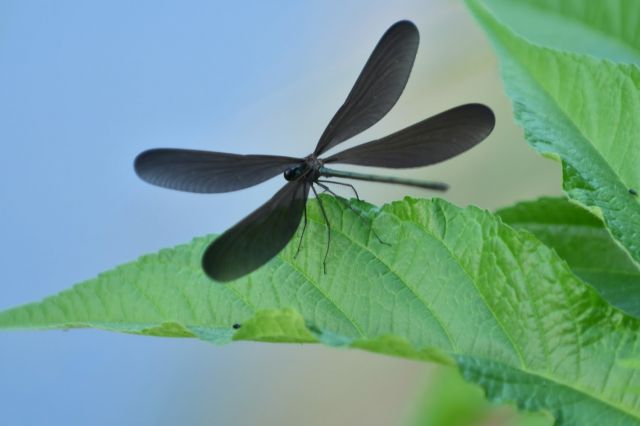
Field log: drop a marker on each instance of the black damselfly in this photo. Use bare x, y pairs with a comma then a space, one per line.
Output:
264, 233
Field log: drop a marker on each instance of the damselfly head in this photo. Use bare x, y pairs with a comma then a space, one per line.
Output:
310, 169
295, 173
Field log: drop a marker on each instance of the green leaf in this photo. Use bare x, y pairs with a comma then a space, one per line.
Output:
447, 284
582, 240
570, 70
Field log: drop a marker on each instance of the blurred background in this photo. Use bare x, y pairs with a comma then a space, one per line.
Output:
85, 86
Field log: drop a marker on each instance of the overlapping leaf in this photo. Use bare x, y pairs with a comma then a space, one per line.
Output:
582, 240
570, 70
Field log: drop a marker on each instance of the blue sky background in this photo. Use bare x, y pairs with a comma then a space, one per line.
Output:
85, 86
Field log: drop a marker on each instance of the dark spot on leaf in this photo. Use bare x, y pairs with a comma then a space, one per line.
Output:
633, 192
313, 328
236, 326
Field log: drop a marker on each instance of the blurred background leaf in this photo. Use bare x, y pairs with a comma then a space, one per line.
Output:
450, 401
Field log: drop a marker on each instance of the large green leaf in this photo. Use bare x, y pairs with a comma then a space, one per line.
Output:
582, 240
451, 284
570, 70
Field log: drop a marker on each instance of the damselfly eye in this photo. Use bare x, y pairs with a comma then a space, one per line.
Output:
293, 173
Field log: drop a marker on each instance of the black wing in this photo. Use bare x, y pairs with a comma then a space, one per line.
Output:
208, 172
258, 237
378, 87
428, 142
